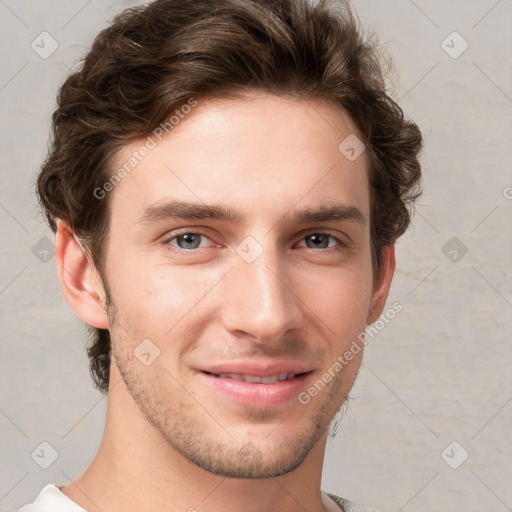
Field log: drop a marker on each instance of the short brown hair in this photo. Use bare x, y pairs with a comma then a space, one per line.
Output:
153, 58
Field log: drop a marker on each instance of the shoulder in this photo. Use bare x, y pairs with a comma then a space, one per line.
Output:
349, 506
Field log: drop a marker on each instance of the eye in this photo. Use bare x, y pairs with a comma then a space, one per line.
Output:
321, 241
190, 240
187, 241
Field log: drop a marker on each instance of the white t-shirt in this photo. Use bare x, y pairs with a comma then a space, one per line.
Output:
51, 499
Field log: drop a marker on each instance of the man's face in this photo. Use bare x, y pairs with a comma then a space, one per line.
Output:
266, 294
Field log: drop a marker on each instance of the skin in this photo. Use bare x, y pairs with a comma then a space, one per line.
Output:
171, 442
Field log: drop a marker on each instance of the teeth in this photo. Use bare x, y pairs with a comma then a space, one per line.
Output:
255, 379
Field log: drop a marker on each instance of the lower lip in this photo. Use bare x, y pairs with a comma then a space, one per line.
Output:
255, 394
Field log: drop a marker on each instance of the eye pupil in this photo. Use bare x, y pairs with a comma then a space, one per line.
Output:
318, 238
188, 238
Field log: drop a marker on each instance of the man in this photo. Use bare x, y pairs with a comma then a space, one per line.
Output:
226, 182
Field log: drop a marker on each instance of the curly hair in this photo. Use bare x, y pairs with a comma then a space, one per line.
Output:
153, 58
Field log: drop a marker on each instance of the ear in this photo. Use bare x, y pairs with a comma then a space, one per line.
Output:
80, 281
382, 283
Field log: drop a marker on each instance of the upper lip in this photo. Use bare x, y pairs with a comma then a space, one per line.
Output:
259, 368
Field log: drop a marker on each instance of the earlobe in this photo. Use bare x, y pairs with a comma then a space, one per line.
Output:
80, 282
382, 283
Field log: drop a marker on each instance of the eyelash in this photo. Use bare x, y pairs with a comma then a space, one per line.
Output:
328, 250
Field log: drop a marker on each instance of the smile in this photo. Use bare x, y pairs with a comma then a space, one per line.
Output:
257, 391
278, 377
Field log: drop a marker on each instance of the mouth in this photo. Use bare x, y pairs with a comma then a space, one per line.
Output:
257, 391
269, 379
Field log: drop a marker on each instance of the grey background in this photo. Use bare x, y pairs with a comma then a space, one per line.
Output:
437, 373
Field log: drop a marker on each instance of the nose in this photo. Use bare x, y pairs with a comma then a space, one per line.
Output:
260, 299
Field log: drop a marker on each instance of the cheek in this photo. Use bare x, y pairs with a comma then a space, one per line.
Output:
154, 300
341, 300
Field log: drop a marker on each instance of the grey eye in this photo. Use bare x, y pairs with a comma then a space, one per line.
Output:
319, 241
190, 240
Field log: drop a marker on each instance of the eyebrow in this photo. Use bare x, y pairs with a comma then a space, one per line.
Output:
161, 211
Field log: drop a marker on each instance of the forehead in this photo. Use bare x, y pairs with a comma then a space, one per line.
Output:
259, 154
